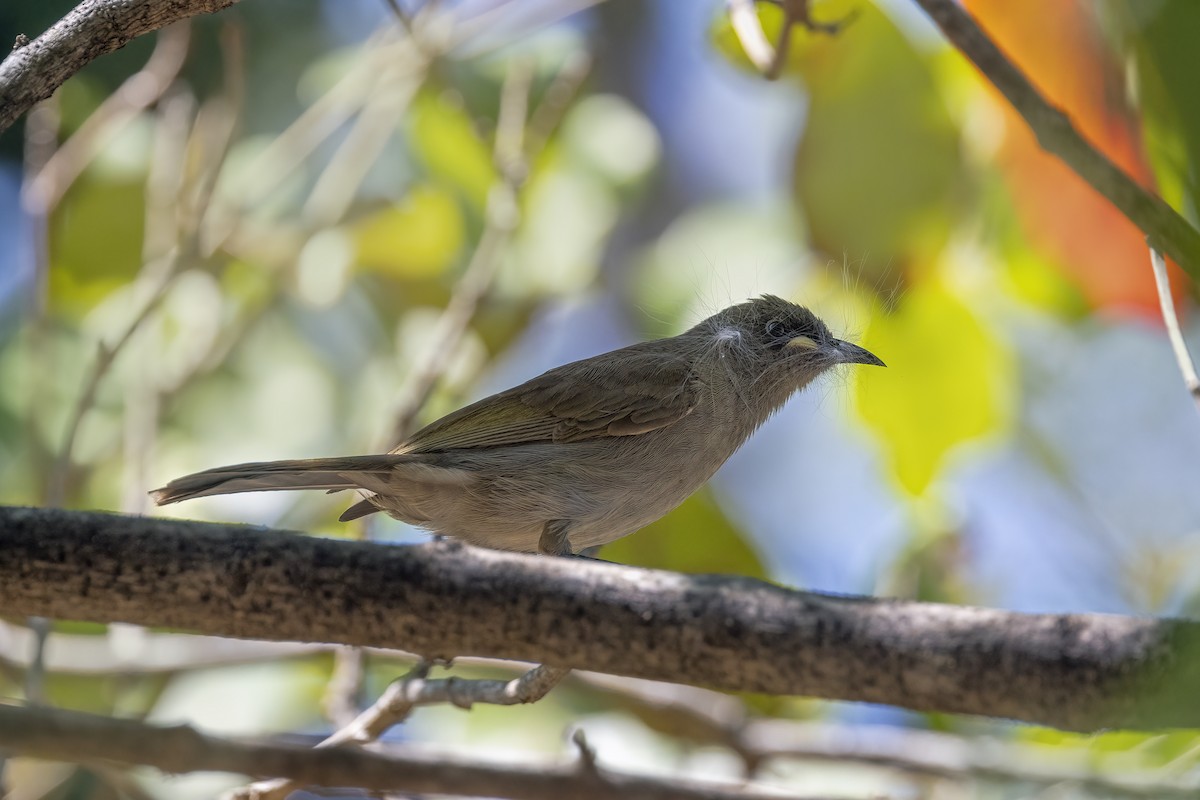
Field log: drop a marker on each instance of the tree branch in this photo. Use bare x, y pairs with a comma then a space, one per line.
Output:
1167, 231
402, 697
72, 736
1074, 671
33, 72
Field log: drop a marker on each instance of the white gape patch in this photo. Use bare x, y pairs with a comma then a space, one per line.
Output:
729, 335
726, 336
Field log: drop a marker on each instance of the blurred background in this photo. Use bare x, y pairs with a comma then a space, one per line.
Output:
303, 227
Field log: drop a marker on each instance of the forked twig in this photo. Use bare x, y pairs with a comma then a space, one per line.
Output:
768, 59
399, 700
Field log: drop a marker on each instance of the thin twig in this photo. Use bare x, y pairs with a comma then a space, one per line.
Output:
469, 30
106, 355
517, 143
768, 59
158, 272
280, 159
1186, 366
782, 46
546, 116
501, 216
405, 694
339, 703
587, 754
407, 22
1167, 231
335, 189
402, 17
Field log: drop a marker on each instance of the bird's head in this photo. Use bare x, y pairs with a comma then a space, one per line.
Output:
779, 345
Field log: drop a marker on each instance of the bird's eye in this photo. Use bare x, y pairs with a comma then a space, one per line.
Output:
776, 329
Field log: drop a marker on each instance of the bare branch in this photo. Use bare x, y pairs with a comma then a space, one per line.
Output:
72, 736
405, 694
94, 27
1074, 671
1167, 231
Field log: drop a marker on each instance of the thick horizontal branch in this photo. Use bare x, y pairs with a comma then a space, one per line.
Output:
72, 736
1163, 226
33, 71
1080, 671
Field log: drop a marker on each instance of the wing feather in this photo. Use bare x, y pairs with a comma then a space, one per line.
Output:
628, 392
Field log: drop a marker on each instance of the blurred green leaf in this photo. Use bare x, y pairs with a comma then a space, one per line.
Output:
95, 242
417, 238
77, 100
1163, 36
946, 384
96, 694
446, 143
567, 214
696, 537
246, 699
245, 283
877, 167
1156, 747
609, 134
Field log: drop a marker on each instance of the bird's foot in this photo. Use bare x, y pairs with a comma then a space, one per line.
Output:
554, 541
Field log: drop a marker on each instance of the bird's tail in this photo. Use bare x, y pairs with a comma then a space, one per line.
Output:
334, 474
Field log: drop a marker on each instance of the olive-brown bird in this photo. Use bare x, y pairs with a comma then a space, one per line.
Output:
583, 454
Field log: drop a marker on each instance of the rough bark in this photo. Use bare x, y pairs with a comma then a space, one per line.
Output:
34, 70
1080, 671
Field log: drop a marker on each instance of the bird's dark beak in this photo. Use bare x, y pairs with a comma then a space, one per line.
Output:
853, 354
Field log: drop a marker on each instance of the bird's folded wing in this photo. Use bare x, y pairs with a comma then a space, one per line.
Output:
625, 393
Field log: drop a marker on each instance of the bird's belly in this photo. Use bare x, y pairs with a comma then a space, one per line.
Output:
604, 489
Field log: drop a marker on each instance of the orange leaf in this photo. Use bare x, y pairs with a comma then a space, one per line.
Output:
1058, 46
